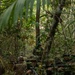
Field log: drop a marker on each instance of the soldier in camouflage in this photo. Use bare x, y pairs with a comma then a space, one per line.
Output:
2, 70
20, 67
32, 67
49, 67
67, 64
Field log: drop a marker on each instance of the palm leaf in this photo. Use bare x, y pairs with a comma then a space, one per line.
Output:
6, 16
43, 3
48, 3
27, 8
31, 7
38, 4
18, 10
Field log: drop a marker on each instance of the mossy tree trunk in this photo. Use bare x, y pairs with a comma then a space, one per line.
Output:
50, 38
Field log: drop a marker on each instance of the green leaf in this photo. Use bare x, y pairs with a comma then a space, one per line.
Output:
31, 7
43, 3
27, 8
48, 3
38, 4
6, 15
18, 10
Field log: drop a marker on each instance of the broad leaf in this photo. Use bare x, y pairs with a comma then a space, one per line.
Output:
43, 3
48, 3
27, 8
18, 10
6, 16
31, 7
38, 4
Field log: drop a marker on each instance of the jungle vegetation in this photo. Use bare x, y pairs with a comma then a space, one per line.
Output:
41, 27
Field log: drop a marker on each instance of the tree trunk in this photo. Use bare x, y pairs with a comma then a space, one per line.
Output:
37, 28
56, 18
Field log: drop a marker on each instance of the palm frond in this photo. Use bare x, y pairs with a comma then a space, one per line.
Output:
15, 11
48, 3
4, 18
43, 3
27, 8
31, 7
18, 10
38, 4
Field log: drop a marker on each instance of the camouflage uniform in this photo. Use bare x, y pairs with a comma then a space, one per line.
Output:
60, 69
49, 67
2, 70
67, 62
20, 67
59, 66
32, 66
68, 69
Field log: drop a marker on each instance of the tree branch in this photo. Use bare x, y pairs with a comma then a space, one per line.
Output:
56, 19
